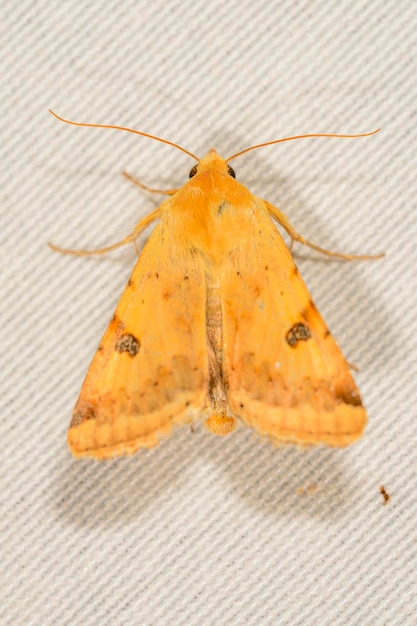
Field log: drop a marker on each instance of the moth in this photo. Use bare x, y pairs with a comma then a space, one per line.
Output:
215, 324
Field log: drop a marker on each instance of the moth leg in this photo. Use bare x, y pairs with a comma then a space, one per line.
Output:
353, 367
135, 181
281, 219
144, 223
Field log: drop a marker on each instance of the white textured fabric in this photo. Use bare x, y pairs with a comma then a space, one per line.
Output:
202, 530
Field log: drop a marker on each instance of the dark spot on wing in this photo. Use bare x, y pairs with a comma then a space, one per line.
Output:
128, 343
348, 396
298, 332
306, 312
82, 415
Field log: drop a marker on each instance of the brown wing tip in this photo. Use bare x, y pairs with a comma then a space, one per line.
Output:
101, 435
304, 425
81, 447
101, 429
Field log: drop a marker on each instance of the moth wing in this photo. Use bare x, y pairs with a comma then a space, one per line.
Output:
286, 376
149, 373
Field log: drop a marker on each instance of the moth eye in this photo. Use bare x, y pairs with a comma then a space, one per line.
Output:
231, 171
193, 171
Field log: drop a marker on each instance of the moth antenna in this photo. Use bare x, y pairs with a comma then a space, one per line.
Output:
129, 130
270, 143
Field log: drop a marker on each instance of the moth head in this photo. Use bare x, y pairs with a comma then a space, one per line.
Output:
212, 160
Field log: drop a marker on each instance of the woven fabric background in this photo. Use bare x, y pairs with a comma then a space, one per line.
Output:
202, 530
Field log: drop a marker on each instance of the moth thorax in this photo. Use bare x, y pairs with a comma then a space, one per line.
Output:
220, 424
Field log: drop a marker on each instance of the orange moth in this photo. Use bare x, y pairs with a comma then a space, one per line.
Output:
215, 323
